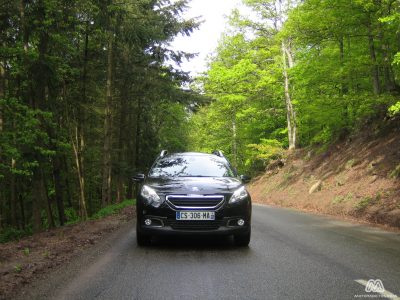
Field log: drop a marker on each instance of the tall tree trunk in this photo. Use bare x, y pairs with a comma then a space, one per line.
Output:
2, 94
66, 181
45, 195
58, 186
37, 201
290, 112
121, 144
22, 210
13, 198
106, 185
77, 145
344, 88
138, 133
39, 94
234, 143
374, 64
387, 72
131, 149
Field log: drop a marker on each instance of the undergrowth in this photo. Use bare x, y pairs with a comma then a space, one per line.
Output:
10, 234
112, 209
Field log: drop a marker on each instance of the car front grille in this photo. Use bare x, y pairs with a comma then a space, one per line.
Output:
193, 225
195, 201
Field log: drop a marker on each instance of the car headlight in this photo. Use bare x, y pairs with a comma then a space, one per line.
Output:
239, 195
150, 196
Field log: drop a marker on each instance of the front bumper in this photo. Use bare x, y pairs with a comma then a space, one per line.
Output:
164, 221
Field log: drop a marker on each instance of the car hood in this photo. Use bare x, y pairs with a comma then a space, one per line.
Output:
194, 185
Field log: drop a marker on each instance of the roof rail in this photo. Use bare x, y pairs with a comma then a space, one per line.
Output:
218, 153
163, 153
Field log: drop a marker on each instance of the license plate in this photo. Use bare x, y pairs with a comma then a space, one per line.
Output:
195, 215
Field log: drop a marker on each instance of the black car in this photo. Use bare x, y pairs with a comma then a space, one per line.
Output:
193, 193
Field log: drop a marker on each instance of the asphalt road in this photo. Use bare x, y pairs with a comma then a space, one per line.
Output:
292, 255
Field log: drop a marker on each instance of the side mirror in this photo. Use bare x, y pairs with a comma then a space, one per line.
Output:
139, 177
245, 178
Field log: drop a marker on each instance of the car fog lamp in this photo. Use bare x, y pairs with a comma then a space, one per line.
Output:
240, 222
147, 222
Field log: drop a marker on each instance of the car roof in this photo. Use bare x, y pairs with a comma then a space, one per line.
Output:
199, 154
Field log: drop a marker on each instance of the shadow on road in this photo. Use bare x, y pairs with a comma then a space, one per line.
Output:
196, 243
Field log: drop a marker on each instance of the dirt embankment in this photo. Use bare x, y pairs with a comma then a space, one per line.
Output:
22, 261
358, 179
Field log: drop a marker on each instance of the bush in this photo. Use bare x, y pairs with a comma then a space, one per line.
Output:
394, 109
112, 209
261, 154
11, 234
71, 215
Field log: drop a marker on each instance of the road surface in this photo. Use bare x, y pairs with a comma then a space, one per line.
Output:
292, 255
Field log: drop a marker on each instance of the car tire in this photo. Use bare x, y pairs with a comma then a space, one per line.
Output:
242, 240
142, 239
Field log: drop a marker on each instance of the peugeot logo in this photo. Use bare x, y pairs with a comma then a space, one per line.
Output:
195, 189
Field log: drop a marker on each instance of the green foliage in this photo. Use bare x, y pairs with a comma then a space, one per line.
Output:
343, 77
394, 109
66, 68
26, 251
112, 209
11, 234
71, 215
261, 154
18, 268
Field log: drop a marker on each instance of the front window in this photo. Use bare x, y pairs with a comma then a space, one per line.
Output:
191, 166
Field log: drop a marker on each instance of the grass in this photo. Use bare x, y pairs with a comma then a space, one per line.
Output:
364, 203
18, 268
342, 199
26, 251
112, 209
395, 173
367, 201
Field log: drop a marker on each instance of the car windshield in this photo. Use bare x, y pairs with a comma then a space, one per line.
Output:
191, 166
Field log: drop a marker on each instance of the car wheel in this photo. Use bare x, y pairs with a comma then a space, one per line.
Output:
242, 240
142, 239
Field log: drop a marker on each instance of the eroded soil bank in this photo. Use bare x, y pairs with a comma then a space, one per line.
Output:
358, 179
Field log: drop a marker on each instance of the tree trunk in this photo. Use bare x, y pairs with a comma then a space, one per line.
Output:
106, 185
2, 94
131, 149
387, 72
77, 145
66, 181
13, 198
36, 202
290, 113
45, 195
344, 88
234, 143
374, 67
121, 145
58, 186
22, 210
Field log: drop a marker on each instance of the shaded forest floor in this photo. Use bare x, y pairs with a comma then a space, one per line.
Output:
355, 179
21, 261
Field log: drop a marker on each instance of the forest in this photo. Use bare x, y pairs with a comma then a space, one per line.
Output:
91, 91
